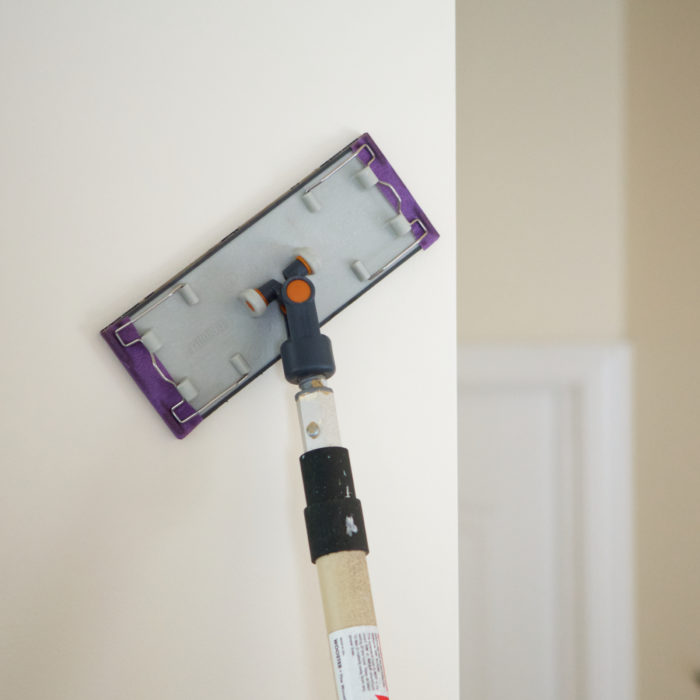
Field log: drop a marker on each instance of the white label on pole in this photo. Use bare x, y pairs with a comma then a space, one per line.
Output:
358, 664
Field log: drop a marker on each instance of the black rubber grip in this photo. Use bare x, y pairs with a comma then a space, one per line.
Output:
334, 521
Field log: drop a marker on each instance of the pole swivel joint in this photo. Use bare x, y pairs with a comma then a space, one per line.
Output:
306, 352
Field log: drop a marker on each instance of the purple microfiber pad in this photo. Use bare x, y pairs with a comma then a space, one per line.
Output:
207, 332
386, 174
139, 364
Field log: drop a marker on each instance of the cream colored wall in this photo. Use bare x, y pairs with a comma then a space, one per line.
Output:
540, 187
664, 322
133, 135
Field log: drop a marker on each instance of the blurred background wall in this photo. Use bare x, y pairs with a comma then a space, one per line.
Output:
578, 133
540, 170
663, 292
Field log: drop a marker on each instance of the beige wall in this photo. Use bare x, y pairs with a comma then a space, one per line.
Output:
540, 204
572, 118
664, 322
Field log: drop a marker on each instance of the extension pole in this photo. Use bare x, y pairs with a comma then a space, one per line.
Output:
334, 521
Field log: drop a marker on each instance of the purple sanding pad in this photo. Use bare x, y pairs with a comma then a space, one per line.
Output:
137, 362
383, 170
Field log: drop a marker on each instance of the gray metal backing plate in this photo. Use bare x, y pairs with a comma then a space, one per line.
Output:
199, 340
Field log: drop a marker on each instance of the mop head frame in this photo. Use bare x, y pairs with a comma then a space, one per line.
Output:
205, 334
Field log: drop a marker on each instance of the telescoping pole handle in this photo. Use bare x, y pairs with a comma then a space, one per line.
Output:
334, 520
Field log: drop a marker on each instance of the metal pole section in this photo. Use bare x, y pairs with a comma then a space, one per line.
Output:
317, 416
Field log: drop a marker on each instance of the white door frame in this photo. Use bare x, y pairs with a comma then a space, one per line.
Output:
596, 381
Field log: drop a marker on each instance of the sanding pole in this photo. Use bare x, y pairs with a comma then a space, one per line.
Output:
334, 522
338, 544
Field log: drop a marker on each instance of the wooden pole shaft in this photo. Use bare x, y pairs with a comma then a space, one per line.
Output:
345, 590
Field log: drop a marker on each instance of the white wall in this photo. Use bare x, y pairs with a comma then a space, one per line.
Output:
134, 135
540, 170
